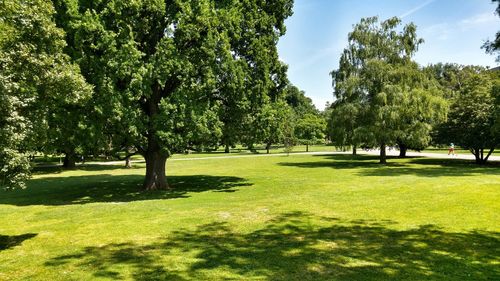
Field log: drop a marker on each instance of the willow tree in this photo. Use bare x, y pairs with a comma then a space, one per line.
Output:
158, 66
377, 77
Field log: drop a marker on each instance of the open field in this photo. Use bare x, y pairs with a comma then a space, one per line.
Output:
302, 217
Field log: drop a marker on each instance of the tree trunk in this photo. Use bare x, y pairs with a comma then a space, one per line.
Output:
476, 155
383, 157
226, 148
268, 147
479, 155
489, 154
307, 147
128, 164
155, 171
251, 148
354, 150
403, 148
69, 160
402, 151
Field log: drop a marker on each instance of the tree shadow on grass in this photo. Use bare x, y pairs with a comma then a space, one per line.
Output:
111, 188
298, 246
7, 242
43, 170
367, 165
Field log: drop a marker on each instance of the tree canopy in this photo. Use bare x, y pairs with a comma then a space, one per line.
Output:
36, 79
164, 71
393, 101
473, 121
310, 129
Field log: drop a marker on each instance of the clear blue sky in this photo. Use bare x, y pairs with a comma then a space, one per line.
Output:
453, 30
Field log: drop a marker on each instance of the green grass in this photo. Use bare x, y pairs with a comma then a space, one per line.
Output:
301, 217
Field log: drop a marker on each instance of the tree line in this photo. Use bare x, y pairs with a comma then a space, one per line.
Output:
85, 78
383, 97
119, 78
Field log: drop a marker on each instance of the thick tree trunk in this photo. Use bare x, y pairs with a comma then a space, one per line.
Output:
307, 147
403, 148
155, 171
251, 148
268, 147
402, 151
479, 155
383, 157
69, 161
128, 164
226, 148
354, 150
155, 159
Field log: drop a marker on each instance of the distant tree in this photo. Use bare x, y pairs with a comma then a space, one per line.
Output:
495, 92
272, 124
298, 100
163, 69
473, 121
288, 132
342, 124
35, 79
310, 129
493, 47
378, 81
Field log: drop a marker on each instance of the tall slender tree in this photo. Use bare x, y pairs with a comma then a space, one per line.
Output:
377, 77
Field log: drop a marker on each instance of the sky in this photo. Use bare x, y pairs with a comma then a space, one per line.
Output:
453, 30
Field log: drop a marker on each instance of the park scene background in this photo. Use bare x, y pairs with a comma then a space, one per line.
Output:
249, 140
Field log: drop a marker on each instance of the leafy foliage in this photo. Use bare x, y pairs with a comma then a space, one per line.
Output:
473, 119
310, 129
35, 79
172, 75
390, 99
493, 47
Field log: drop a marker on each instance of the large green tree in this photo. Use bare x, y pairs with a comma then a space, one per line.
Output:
36, 78
343, 122
473, 121
393, 101
310, 129
163, 69
273, 123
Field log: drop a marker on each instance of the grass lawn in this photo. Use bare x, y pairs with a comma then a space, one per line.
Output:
301, 217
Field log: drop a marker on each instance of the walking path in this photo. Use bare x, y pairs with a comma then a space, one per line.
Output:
361, 152
468, 156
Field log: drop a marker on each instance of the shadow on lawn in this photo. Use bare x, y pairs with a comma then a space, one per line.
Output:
367, 165
295, 247
42, 170
7, 242
109, 188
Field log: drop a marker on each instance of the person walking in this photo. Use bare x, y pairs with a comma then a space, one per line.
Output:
452, 150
